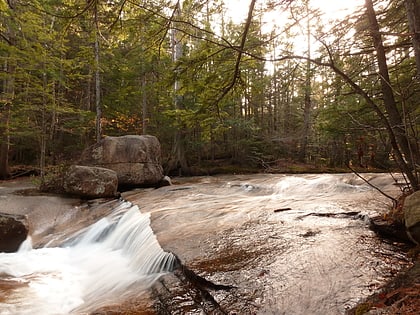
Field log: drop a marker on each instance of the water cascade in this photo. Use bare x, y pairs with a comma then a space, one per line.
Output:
96, 266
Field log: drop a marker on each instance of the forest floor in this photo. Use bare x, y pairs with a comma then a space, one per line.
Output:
401, 296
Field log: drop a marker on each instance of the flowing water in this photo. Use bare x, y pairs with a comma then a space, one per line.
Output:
288, 244
100, 262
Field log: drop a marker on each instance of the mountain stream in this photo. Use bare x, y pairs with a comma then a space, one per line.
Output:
278, 244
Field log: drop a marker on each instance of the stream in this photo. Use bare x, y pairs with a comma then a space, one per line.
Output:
284, 244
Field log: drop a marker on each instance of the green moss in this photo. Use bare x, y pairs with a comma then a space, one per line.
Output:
363, 308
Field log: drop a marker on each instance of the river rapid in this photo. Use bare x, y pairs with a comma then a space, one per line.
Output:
287, 244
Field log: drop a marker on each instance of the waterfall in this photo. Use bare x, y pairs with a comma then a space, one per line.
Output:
98, 264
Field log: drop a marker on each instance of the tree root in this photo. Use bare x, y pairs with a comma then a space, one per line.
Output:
195, 288
180, 270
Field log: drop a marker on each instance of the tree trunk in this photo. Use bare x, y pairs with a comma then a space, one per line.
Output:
406, 162
7, 99
145, 115
307, 108
413, 16
98, 106
43, 135
4, 141
178, 159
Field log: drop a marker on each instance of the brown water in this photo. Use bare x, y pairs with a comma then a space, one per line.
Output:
288, 244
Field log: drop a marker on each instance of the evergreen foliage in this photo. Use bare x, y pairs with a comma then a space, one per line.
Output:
275, 98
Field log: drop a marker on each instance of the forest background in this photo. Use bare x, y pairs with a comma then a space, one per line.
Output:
215, 92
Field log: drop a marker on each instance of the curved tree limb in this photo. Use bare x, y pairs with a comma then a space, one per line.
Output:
394, 201
237, 72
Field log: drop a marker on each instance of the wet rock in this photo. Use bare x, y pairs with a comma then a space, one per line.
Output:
13, 231
166, 181
394, 230
135, 159
412, 216
90, 182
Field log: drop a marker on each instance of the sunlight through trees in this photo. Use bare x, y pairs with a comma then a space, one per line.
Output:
256, 85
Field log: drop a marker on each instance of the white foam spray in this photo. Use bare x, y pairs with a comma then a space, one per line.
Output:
97, 265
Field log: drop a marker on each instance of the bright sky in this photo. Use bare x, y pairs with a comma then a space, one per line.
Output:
337, 8
331, 8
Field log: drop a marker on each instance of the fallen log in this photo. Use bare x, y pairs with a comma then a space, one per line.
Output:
331, 214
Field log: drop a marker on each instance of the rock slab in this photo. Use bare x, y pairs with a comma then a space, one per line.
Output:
90, 182
412, 216
136, 159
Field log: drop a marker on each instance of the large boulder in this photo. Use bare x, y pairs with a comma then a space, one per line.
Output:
412, 216
13, 231
135, 159
90, 182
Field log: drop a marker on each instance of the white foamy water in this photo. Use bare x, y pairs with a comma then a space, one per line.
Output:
97, 265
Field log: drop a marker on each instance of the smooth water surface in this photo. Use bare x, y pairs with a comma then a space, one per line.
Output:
293, 244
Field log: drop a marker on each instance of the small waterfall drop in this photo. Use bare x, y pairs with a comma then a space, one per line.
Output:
98, 264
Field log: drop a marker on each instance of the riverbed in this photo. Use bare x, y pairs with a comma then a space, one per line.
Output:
283, 244
291, 244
